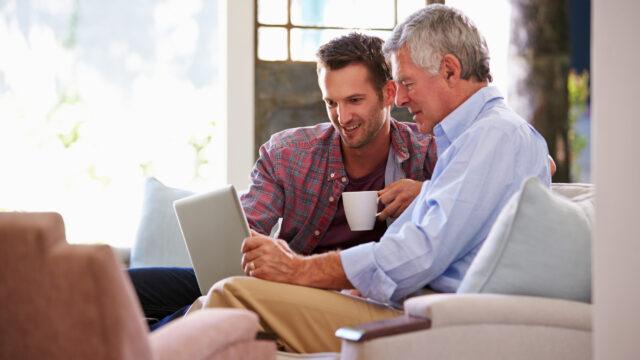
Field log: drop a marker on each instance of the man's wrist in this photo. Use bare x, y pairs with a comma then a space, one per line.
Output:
300, 275
321, 271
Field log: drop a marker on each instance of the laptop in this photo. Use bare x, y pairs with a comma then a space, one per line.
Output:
213, 226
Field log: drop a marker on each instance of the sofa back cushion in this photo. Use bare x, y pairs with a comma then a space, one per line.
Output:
540, 245
158, 240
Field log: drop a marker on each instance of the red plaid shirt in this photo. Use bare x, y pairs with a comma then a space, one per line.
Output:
300, 176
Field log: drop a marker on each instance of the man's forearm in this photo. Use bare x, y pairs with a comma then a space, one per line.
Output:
323, 271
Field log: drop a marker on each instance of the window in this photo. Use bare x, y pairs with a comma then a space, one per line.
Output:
494, 24
97, 95
294, 29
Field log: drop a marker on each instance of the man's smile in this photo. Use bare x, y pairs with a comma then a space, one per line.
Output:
351, 128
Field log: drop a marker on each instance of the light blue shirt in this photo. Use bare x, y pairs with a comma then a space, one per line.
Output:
485, 152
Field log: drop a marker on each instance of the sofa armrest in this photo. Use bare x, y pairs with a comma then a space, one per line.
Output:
466, 309
463, 324
387, 327
205, 333
442, 310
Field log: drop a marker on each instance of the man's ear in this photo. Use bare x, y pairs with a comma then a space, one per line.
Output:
389, 93
451, 69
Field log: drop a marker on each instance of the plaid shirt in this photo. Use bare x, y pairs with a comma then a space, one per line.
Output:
300, 176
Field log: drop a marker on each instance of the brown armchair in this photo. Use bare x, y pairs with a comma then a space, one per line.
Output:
60, 301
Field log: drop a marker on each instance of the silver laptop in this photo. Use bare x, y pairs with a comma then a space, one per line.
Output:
213, 225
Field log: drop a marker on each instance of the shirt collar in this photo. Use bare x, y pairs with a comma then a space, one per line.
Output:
398, 143
336, 165
460, 119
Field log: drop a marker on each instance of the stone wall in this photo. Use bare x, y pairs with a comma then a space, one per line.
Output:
287, 95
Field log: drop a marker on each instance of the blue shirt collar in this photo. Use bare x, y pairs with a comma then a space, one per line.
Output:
463, 116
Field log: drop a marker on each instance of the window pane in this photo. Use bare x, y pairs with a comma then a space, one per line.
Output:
272, 12
272, 43
343, 13
305, 42
408, 7
382, 34
97, 95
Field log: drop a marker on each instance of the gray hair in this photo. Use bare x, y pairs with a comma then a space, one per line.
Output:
437, 30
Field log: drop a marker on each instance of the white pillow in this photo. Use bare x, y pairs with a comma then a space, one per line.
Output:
158, 240
540, 245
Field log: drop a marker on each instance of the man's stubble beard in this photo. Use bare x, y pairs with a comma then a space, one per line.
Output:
370, 135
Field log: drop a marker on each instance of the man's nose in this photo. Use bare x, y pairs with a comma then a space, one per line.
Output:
343, 114
401, 99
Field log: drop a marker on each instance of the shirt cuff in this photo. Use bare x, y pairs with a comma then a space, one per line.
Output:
364, 273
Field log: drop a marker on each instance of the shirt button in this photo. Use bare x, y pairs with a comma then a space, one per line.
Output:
344, 179
331, 199
332, 175
317, 232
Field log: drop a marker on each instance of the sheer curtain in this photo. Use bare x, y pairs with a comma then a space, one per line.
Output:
97, 95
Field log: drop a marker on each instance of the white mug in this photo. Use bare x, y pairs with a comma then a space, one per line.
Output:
361, 208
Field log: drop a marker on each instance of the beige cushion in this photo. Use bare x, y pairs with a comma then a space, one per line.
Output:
540, 245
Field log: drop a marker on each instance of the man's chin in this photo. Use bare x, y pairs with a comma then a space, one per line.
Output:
352, 143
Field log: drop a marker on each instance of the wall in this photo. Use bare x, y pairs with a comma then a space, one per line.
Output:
615, 90
237, 83
287, 95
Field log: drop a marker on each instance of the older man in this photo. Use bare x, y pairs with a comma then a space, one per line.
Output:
440, 65
302, 172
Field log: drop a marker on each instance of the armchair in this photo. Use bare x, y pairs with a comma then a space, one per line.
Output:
60, 301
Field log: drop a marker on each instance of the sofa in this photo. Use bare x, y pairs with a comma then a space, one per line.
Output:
61, 301
526, 295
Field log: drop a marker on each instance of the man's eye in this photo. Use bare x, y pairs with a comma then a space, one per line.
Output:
355, 100
330, 104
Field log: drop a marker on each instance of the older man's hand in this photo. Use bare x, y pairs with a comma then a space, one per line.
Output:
397, 196
269, 259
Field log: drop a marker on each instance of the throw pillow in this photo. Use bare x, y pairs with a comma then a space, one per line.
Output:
159, 240
540, 245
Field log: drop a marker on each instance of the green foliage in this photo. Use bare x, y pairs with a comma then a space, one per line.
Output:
68, 97
92, 172
199, 145
65, 98
147, 169
71, 137
70, 41
578, 88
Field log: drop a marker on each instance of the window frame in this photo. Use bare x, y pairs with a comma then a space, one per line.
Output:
289, 26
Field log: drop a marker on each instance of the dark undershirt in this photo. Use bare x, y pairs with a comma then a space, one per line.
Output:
338, 235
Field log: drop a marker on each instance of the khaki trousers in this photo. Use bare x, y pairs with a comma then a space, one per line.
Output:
304, 319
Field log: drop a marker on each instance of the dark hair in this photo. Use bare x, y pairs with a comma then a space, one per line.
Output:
360, 49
